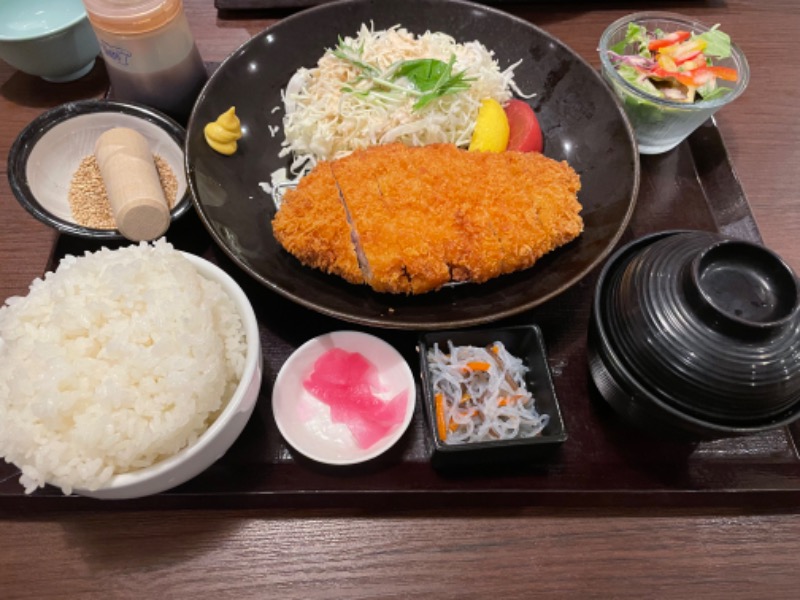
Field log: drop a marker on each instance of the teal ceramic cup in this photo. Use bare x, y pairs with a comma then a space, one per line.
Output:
52, 39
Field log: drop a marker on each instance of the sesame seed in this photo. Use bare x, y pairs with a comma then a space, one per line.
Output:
88, 199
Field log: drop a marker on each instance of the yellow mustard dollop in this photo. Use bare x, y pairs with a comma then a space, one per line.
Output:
222, 134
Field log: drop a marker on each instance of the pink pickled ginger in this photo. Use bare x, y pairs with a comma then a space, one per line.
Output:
347, 382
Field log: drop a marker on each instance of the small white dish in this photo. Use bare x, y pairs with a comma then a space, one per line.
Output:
305, 421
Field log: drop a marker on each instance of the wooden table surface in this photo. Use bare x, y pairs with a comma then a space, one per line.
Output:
480, 552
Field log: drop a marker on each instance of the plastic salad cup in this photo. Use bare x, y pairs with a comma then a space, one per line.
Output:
660, 124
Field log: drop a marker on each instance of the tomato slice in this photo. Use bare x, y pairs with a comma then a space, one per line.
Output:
525, 134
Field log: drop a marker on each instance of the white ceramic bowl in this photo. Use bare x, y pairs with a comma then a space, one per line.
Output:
46, 154
305, 422
222, 433
49, 38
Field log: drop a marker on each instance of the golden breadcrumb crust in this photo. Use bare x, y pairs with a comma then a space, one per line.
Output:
419, 218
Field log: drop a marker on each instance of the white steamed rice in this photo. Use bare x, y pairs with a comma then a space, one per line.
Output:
113, 362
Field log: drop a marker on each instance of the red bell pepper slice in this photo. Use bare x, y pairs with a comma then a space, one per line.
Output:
686, 56
685, 51
684, 78
668, 40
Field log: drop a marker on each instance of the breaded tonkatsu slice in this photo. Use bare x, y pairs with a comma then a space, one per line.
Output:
473, 251
312, 225
414, 219
532, 201
405, 257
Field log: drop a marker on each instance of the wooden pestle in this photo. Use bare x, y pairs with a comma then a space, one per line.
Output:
134, 190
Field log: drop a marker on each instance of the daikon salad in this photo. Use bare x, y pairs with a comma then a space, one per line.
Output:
480, 395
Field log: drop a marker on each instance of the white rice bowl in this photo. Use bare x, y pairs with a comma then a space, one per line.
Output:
117, 362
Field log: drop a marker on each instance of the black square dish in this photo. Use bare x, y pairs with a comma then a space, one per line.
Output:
525, 342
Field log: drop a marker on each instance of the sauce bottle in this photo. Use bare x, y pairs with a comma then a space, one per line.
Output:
150, 53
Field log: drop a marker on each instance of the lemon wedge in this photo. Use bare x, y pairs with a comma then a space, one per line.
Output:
491, 129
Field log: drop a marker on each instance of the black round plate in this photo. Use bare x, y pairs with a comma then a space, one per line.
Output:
581, 120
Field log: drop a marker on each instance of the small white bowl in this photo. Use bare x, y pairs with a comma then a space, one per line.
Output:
46, 154
222, 433
305, 422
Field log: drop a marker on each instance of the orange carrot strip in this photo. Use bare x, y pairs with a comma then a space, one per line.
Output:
478, 365
441, 426
506, 400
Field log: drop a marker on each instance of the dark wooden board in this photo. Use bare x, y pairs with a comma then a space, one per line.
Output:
604, 461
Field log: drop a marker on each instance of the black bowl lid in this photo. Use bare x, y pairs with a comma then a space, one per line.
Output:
708, 324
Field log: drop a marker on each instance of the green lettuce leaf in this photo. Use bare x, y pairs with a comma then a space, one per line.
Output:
634, 77
636, 36
718, 43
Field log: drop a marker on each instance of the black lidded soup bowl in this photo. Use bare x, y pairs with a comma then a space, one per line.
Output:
697, 335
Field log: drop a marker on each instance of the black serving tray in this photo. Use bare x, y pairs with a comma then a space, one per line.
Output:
604, 461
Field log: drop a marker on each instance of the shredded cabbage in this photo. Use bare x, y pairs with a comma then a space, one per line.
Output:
323, 122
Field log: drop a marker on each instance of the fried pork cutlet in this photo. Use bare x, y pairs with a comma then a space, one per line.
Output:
312, 225
409, 220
